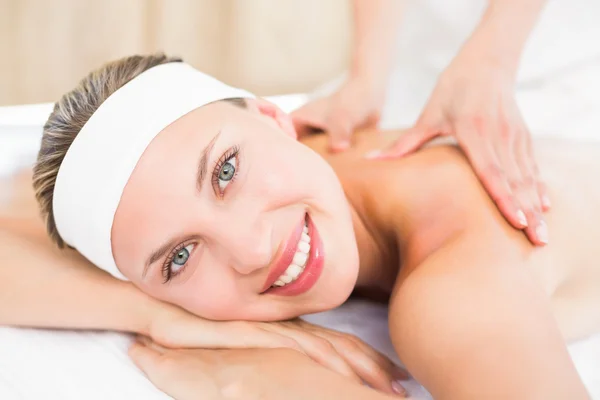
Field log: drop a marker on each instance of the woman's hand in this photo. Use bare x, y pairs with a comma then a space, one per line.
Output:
241, 374
474, 102
187, 374
357, 104
340, 352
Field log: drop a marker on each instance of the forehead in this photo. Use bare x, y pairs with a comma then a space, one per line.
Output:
162, 185
184, 138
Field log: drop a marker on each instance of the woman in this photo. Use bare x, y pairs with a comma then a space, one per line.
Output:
225, 214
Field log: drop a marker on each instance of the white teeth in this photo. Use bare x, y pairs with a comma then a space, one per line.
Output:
300, 258
296, 268
293, 271
303, 247
305, 238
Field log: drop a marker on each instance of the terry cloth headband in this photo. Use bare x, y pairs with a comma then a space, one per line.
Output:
99, 162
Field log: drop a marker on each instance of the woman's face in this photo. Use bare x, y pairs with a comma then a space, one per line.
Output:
229, 217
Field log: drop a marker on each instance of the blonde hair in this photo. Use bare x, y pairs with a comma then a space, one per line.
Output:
69, 116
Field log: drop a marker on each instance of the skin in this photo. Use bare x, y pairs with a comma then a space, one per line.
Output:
238, 232
434, 221
473, 102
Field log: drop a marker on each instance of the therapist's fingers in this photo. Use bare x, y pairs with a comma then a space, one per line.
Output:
537, 231
341, 124
530, 160
482, 155
311, 117
504, 144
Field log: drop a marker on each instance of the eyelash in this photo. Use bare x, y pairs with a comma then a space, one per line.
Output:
228, 155
166, 268
232, 152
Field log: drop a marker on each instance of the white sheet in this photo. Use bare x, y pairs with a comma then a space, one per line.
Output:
36, 364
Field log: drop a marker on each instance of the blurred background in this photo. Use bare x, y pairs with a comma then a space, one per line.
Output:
283, 46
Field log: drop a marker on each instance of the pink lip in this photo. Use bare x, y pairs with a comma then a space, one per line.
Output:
312, 269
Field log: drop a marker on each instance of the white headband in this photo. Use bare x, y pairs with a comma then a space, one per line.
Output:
99, 162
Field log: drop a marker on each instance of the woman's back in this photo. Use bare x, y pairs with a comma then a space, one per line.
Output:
436, 194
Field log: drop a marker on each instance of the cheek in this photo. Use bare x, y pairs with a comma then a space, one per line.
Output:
210, 293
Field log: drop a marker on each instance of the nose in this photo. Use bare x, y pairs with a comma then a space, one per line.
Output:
250, 247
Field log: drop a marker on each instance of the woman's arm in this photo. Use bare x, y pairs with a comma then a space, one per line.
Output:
266, 374
41, 286
471, 323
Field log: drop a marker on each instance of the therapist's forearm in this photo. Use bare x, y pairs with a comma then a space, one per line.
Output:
44, 288
375, 29
503, 31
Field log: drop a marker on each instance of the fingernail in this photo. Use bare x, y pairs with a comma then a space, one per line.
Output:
398, 388
542, 232
522, 218
373, 154
546, 201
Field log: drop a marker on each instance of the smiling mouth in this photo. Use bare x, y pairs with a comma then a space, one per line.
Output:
301, 263
296, 267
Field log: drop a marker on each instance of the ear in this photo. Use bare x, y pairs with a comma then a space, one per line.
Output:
271, 111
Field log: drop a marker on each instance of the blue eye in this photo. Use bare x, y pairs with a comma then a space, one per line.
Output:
227, 172
181, 257
177, 263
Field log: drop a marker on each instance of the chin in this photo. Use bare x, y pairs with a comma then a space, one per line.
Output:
336, 290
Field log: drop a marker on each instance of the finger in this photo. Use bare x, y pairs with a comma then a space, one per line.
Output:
310, 118
526, 165
340, 126
505, 141
371, 366
145, 358
318, 349
409, 142
484, 160
307, 124
537, 231
395, 371
544, 196
542, 190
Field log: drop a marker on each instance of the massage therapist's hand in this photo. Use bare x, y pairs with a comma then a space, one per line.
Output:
175, 328
357, 104
474, 102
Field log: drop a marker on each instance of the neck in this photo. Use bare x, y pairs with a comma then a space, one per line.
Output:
378, 253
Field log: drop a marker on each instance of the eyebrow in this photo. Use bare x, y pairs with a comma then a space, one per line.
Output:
201, 173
